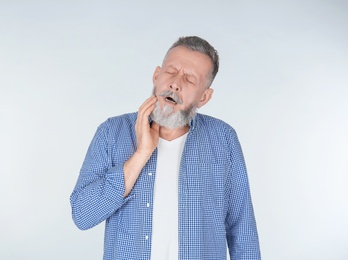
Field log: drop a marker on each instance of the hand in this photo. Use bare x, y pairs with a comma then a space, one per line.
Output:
147, 140
147, 137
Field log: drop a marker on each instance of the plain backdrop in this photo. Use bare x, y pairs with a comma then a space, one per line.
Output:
66, 66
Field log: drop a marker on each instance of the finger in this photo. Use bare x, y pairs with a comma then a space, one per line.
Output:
147, 107
145, 110
148, 102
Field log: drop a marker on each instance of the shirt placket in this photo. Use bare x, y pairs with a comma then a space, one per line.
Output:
148, 178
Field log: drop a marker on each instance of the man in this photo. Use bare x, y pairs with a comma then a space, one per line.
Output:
169, 182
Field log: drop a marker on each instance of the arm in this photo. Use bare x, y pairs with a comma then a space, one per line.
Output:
241, 231
101, 190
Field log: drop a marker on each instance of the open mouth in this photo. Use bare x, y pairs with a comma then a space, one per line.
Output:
171, 100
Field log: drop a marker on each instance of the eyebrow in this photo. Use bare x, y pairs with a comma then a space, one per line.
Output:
187, 74
172, 67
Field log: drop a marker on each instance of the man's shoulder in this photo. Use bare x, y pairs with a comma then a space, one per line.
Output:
119, 121
215, 131
213, 123
131, 117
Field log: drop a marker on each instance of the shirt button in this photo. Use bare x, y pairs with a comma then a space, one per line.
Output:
150, 173
146, 237
147, 204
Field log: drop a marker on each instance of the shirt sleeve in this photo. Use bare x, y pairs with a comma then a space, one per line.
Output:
241, 231
99, 189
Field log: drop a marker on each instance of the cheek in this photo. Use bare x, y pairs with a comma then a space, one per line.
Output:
159, 84
158, 89
190, 97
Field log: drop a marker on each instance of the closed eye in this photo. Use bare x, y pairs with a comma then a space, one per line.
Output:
191, 80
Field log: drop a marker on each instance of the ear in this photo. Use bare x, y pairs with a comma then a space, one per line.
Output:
155, 74
208, 93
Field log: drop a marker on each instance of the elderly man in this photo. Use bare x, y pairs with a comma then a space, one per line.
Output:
169, 182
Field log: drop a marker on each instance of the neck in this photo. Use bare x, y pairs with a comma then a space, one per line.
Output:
171, 134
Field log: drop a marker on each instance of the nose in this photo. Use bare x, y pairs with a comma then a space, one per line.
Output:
175, 85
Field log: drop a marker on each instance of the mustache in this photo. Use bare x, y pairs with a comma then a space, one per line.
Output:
171, 94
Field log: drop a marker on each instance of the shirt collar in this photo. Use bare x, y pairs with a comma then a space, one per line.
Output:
193, 122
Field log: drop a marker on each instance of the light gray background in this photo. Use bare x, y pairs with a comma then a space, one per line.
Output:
66, 66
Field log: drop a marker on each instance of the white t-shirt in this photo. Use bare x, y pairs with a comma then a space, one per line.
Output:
165, 205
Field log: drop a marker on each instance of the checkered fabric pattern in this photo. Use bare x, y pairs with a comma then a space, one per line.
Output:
214, 198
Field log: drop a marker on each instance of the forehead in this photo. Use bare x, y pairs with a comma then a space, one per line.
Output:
192, 62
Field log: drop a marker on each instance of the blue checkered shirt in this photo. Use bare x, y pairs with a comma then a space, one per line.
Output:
214, 198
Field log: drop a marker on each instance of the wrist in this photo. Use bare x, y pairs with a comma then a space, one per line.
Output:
143, 155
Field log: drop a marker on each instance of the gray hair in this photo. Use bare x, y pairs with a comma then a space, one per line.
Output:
196, 43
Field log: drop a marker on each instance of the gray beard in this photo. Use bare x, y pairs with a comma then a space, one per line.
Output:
167, 118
